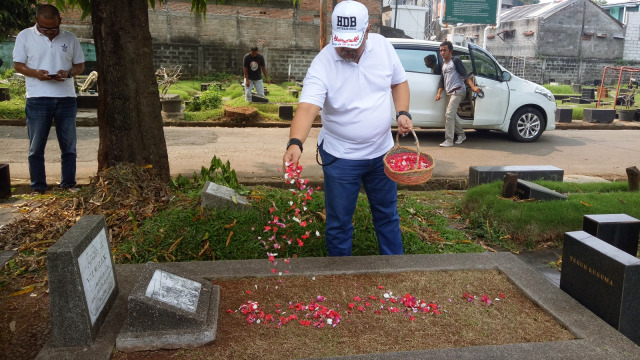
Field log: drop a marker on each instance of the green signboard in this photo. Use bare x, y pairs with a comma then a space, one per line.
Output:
470, 11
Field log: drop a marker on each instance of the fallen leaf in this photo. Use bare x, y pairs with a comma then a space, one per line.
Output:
175, 244
229, 238
12, 326
24, 290
231, 225
585, 203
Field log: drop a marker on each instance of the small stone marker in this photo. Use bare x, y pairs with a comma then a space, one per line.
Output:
485, 174
529, 190
564, 115
603, 116
5, 182
82, 283
169, 311
285, 112
604, 279
619, 230
218, 196
633, 178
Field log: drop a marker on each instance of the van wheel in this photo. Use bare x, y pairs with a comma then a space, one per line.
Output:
527, 124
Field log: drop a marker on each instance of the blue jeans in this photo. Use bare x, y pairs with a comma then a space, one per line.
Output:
41, 111
342, 181
258, 84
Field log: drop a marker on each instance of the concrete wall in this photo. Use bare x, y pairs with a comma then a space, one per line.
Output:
564, 34
559, 35
632, 38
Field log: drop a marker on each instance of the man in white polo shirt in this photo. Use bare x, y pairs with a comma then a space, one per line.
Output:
352, 83
49, 58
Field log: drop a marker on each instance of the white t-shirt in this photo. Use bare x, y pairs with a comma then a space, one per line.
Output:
38, 52
355, 99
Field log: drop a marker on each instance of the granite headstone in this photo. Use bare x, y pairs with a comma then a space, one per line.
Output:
529, 190
82, 283
218, 196
619, 230
485, 174
604, 279
169, 310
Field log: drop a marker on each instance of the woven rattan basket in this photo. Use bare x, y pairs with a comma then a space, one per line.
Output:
409, 177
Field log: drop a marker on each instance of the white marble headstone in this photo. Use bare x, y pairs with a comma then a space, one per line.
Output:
97, 276
174, 290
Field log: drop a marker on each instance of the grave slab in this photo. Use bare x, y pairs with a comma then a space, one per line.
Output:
218, 196
529, 190
604, 279
169, 310
619, 230
485, 174
82, 283
575, 100
603, 116
595, 339
564, 115
259, 99
588, 94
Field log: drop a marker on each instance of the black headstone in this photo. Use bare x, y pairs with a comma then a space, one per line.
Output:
604, 116
564, 115
575, 100
619, 230
285, 112
5, 182
604, 279
588, 94
529, 190
485, 174
258, 99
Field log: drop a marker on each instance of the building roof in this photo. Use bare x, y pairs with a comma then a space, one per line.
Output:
542, 10
620, 3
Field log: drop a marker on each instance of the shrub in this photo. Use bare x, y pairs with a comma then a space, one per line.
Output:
209, 100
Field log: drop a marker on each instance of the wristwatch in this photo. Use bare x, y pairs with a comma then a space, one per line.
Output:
294, 141
69, 76
403, 113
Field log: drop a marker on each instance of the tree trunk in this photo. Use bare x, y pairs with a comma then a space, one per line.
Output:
510, 185
129, 116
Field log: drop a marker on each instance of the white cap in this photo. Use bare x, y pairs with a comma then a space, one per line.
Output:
350, 20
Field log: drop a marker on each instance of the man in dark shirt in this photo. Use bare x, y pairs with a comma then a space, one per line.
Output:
253, 62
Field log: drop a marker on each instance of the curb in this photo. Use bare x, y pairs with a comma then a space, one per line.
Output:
93, 122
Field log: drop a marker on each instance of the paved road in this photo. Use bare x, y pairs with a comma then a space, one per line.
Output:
256, 153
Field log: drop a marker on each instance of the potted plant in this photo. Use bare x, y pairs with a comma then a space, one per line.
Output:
627, 99
170, 103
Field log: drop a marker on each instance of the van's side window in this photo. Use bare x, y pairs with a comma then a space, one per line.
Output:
413, 60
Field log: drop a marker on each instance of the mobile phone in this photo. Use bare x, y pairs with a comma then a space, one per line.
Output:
52, 75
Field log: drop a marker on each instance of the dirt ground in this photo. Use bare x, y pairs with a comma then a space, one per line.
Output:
472, 308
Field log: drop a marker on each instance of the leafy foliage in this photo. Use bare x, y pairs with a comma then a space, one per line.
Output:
16, 15
209, 100
218, 172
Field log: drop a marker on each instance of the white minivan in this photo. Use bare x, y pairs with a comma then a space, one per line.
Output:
510, 104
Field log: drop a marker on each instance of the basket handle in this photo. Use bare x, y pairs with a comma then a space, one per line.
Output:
417, 146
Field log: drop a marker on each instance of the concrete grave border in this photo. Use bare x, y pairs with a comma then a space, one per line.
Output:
595, 338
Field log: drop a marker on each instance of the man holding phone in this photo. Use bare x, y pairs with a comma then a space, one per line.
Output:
49, 58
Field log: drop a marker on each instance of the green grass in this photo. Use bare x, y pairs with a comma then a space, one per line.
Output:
12, 109
182, 232
512, 224
559, 89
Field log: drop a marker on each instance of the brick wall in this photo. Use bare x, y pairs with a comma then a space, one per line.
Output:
632, 37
